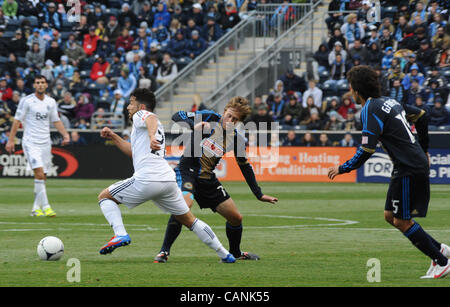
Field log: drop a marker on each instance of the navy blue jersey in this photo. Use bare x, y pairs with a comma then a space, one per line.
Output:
385, 120
204, 151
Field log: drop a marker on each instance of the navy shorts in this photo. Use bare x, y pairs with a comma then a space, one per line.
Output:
409, 196
209, 193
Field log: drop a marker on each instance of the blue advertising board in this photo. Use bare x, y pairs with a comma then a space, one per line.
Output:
379, 167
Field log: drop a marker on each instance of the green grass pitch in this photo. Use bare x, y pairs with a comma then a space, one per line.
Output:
317, 235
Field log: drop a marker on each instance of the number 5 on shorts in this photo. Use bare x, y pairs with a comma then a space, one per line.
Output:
394, 204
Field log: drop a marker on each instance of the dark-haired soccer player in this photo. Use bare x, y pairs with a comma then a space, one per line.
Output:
35, 112
385, 120
213, 135
153, 178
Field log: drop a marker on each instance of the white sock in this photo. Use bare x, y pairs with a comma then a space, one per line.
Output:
112, 213
40, 195
205, 233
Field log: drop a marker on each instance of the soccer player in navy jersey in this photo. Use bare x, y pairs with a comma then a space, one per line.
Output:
386, 121
212, 136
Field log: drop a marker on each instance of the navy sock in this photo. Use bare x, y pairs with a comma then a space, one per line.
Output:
172, 232
435, 243
424, 243
234, 235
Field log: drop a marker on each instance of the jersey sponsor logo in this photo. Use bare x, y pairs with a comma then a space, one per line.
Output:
41, 116
378, 165
212, 147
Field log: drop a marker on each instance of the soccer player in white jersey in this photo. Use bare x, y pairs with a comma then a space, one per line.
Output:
35, 112
153, 178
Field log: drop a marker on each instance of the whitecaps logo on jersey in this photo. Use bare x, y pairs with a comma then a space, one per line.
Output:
379, 165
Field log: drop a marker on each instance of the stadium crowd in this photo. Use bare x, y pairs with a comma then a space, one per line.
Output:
409, 48
94, 63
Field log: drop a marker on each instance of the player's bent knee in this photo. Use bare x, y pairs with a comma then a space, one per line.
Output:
389, 217
402, 225
235, 219
104, 194
186, 219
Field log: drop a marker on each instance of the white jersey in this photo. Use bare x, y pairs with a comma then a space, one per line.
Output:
149, 165
36, 115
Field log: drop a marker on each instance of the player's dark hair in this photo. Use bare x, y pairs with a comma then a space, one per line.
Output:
38, 77
364, 80
146, 97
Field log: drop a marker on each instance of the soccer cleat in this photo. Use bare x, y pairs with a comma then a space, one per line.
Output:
248, 256
229, 259
162, 257
115, 242
445, 250
49, 212
441, 271
37, 212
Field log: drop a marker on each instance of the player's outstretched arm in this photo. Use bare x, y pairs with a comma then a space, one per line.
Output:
10, 145
123, 145
60, 127
361, 156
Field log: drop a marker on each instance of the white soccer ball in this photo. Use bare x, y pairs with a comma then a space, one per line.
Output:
50, 248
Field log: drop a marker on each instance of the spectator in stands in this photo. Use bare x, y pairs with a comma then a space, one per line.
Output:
445, 59
135, 50
420, 12
397, 91
112, 29
197, 14
6, 119
333, 122
18, 44
83, 110
438, 115
352, 30
167, 71
144, 13
177, 49
337, 74
211, 32
67, 106
127, 13
321, 56
278, 88
126, 83
337, 37
57, 91
338, 49
437, 41
346, 106
13, 103
191, 26
350, 124
118, 103
230, 17
386, 61
262, 119
414, 74
53, 17
359, 50
54, 53
373, 36
375, 55
100, 70
291, 139
334, 18
315, 92
293, 83
5, 90
35, 56
277, 106
64, 70
425, 55
414, 91
10, 8
314, 122
143, 40
347, 141
435, 75
162, 16
125, 40
75, 53
76, 85
308, 140
22, 88
135, 65
292, 112
400, 29
196, 45
104, 46
438, 22
36, 38
412, 60
324, 141
90, 41
47, 71
409, 40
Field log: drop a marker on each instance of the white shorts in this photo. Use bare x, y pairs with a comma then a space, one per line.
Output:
38, 155
166, 195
